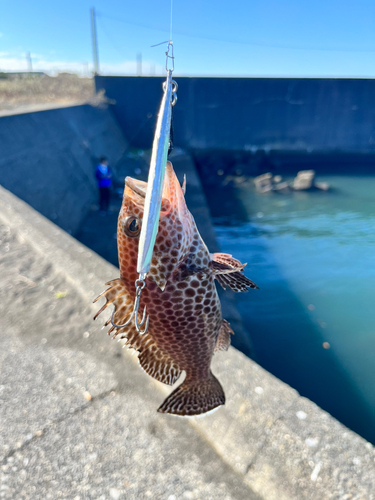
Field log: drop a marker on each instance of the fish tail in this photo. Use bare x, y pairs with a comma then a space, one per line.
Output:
194, 397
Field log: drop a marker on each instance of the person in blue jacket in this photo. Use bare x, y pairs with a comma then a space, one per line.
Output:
104, 176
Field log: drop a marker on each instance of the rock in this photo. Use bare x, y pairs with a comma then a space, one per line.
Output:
324, 186
304, 180
282, 187
277, 178
240, 180
263, 183
228, 181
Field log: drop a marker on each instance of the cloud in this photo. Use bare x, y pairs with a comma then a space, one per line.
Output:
41, 63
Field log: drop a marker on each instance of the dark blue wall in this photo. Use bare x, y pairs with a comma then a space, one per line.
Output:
280, 114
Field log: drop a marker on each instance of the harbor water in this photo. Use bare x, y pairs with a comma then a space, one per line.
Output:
312, 254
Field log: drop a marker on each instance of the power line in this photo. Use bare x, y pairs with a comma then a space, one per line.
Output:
239, 42
116, 47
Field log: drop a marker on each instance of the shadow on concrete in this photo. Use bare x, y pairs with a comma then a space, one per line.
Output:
100, 232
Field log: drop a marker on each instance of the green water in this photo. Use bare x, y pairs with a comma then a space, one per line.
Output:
313, 256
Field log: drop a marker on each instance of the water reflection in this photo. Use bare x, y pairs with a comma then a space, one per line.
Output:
312, 321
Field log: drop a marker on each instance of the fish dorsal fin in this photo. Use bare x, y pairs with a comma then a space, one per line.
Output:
153, 361
229, 273
223, 339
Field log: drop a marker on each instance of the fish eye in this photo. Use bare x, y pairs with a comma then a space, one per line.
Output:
132, 226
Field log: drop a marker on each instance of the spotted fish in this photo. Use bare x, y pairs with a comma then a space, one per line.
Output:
185, 322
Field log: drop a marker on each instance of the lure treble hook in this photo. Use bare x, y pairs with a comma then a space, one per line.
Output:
140, 284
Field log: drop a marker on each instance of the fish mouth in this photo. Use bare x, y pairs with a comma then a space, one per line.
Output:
172, 196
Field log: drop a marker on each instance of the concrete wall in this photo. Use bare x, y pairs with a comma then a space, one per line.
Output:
47, 158
285, 114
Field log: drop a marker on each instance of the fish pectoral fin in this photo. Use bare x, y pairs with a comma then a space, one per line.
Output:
219, 268
237, 282
117, 295
223, 339
157, 364
229, 273
226, 261
194, 398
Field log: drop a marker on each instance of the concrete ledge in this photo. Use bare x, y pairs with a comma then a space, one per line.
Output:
282, 446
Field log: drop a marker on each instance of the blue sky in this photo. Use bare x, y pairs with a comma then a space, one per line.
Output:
246, 38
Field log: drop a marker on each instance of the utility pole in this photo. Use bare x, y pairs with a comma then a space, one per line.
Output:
94, 42
139, 64
29, 62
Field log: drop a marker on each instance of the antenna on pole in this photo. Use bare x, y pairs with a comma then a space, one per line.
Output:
29, 62
94, 41
139, 64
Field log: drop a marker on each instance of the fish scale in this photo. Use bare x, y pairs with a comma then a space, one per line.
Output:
185, 321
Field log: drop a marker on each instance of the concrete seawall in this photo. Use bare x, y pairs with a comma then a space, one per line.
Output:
308, 115
47, 158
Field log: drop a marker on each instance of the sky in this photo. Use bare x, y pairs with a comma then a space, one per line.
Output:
300, 38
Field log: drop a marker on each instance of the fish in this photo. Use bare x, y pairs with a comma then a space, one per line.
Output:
186, 326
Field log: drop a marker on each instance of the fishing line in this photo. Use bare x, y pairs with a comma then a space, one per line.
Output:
170, 30
119, 50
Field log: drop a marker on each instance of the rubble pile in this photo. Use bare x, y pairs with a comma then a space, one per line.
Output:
304, 181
